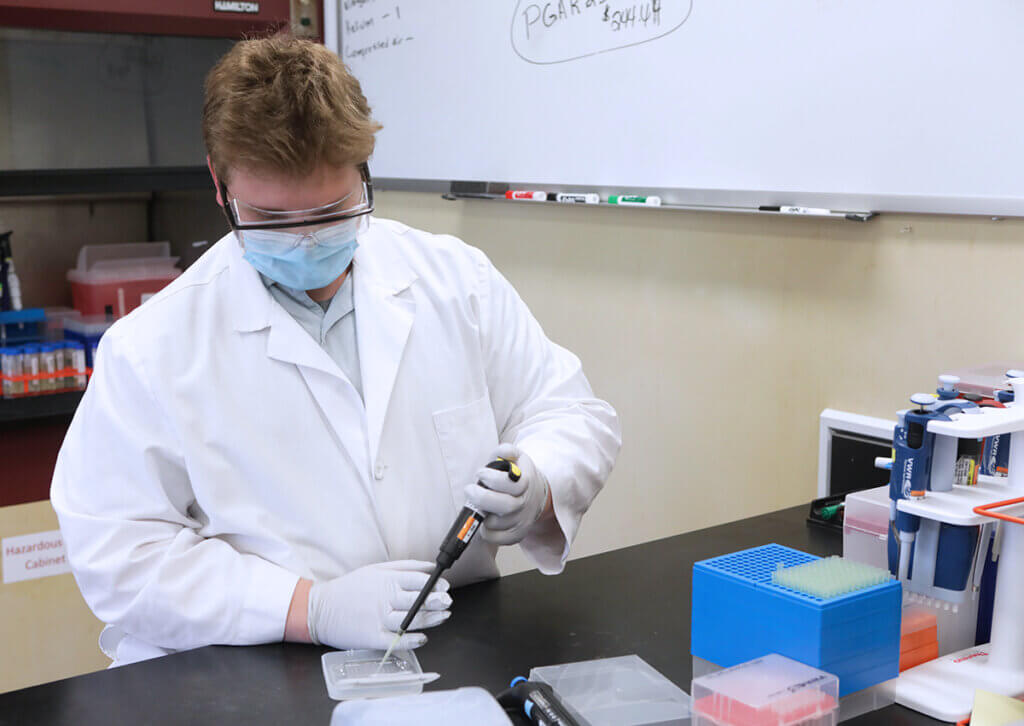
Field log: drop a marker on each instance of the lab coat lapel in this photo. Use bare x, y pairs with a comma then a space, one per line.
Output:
289, 343
334, 394
385, 309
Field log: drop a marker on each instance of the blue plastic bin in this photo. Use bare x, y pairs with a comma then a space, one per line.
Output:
739, 615
22, 326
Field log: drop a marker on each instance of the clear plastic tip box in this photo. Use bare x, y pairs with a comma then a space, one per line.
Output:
768, 691
739, 615
623, 691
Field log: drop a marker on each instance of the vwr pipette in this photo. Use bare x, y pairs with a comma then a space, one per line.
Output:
453, 545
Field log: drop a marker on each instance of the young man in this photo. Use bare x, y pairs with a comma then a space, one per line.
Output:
275, 445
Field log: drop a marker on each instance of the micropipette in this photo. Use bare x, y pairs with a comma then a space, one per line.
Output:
453, 545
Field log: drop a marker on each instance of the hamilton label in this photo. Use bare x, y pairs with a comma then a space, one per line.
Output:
235, 6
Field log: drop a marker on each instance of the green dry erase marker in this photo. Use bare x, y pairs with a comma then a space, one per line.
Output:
636, 201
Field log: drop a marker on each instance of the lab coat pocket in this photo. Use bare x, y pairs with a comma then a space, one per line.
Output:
467, 436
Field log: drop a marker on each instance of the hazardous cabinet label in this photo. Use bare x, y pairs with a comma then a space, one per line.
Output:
235, 6
30, 556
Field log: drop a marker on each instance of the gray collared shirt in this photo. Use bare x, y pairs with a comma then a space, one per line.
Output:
331, 323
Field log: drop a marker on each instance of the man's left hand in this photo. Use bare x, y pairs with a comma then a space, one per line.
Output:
513, 506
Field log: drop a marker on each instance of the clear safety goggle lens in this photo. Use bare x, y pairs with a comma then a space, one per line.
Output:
277, 241
353, 205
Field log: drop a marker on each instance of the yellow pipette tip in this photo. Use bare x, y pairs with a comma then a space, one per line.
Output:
387, 654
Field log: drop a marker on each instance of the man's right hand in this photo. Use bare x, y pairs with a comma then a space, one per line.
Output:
365, 608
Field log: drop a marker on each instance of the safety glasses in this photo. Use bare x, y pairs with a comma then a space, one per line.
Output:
357, 203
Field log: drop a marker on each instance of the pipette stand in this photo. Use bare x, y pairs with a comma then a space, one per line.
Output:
944, 688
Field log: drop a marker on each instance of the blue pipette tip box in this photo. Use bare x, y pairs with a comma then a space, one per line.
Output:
739, 615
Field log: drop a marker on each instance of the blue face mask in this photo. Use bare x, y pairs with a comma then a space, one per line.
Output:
301, 261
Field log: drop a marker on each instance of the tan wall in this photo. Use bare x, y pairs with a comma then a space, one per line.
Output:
47, 630
48, 234
720, 338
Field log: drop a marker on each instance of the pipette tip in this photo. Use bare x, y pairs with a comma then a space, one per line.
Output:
391, 648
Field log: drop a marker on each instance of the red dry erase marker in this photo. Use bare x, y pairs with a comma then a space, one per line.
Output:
527, 196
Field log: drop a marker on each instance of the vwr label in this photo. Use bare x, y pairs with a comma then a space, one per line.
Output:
29, 556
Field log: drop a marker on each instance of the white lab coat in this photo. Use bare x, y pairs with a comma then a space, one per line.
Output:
219, 454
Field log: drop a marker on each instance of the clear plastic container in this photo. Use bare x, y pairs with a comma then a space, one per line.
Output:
957, 624
865, 539
113, 278
472, 705
74, 355
768, 691
866, 527
89, 256
55, 318
357, 674
623, 691
87, 326
30, 367
985, 380
47, 368
61, 383
919, 636
10, 367
852, 705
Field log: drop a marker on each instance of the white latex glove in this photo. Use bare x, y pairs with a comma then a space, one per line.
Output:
365, 608
513, 506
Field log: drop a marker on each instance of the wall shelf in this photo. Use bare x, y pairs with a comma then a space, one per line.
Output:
36, 407
51, 182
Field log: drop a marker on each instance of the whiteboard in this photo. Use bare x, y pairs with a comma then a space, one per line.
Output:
884, 105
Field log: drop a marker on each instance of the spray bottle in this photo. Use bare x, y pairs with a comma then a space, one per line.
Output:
5, 291
10, 285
